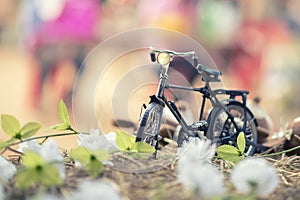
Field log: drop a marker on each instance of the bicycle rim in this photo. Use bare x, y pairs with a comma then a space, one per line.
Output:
222, 126
150, 124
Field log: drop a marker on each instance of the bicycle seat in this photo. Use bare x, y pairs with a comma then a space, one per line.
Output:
237, 92
231, 92
208, 74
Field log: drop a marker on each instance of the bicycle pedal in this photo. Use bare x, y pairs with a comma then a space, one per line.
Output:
159, 138
199, 124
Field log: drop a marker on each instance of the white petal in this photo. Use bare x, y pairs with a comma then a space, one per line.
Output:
94, 190
32, 145
196, 149
111, 137
7, 170
51, 153
96, 141
95, 132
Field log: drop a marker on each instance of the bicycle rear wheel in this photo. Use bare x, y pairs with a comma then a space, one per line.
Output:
149, 126
221, 126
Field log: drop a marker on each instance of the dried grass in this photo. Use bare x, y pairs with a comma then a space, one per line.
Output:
143, 177
160, 181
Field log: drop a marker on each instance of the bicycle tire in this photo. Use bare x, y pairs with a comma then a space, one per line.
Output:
220, 125
150, 124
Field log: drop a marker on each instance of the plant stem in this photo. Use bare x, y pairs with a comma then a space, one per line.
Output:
281, 152
13, 150
45, 137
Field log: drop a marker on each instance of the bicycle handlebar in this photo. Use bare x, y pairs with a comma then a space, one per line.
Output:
174, 53
208, 74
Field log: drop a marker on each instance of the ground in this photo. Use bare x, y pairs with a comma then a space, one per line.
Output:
141, 176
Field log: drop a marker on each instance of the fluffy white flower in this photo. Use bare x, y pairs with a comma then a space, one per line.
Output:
7, 170
94, 190
195, 171
51, 153
96, 141
202, 178
255, 174
196, 149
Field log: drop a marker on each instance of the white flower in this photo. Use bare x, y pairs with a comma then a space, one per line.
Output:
255, 174
194, 170
96, 141
51, 153
7, 170
94, 190
196, 149
202, 178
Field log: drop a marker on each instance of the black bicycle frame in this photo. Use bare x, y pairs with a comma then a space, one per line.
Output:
207, 93
162, 99
171, 105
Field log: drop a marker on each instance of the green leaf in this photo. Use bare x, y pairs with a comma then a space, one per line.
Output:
229, 153
49, 176
46, 174
53, 127
101, 155
94, 168
63, 113
10, 141
2, 145
62, 126
10, 125
124, 140
31, 159
29, 129
6, 143
91, 161
37, 171
241, 142
81, 154
26, 177
143, 147
64, 117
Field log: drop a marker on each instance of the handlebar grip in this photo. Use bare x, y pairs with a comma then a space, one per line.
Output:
152, 55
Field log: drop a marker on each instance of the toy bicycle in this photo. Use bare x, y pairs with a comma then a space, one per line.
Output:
225, 121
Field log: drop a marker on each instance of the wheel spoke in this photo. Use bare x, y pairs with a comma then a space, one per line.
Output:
151, 124
221, 125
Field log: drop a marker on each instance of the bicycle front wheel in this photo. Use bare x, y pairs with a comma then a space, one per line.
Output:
149, 126
221, 126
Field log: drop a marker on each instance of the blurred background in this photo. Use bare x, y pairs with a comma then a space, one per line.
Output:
256, 44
